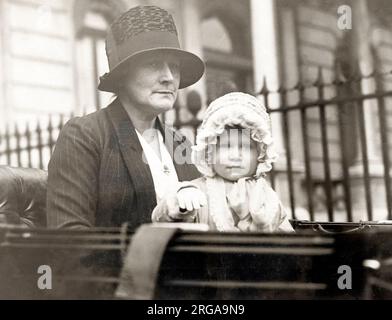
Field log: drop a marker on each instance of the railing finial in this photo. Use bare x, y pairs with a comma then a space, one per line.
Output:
27, 131
264, 88
320, 78
193, 102
16, 130
38, 127
50, 125
299, 85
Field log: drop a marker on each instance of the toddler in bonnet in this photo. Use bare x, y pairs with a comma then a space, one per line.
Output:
234, 151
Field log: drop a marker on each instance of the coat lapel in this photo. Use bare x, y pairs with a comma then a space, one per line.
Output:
180, 151
132, 153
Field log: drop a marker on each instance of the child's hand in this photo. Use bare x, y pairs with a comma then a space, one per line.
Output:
190, 199
185, 202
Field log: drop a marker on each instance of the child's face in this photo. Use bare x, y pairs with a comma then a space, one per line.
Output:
236, 155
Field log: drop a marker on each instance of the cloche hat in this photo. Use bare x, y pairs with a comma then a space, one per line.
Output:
141, 30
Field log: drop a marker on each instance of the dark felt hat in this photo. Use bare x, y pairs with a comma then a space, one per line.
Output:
141, 30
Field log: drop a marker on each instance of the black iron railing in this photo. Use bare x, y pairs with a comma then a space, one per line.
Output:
347, 99
30, 147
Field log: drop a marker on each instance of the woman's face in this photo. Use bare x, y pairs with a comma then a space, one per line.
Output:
235, 155
151, 82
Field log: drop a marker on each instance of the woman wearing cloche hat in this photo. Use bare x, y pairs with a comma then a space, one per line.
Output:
112, 166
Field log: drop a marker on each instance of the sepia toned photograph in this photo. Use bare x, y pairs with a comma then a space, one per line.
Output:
209, 150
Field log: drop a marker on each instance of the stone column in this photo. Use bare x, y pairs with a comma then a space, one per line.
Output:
2, 66
266, 66
362, 28
191, 38
265, 57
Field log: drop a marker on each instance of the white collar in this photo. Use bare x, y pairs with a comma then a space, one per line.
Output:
162, 170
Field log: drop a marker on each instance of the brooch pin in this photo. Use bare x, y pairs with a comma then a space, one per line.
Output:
166, 169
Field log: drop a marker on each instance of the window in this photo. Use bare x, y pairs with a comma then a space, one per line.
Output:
229, 66
92, 20
215, 36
